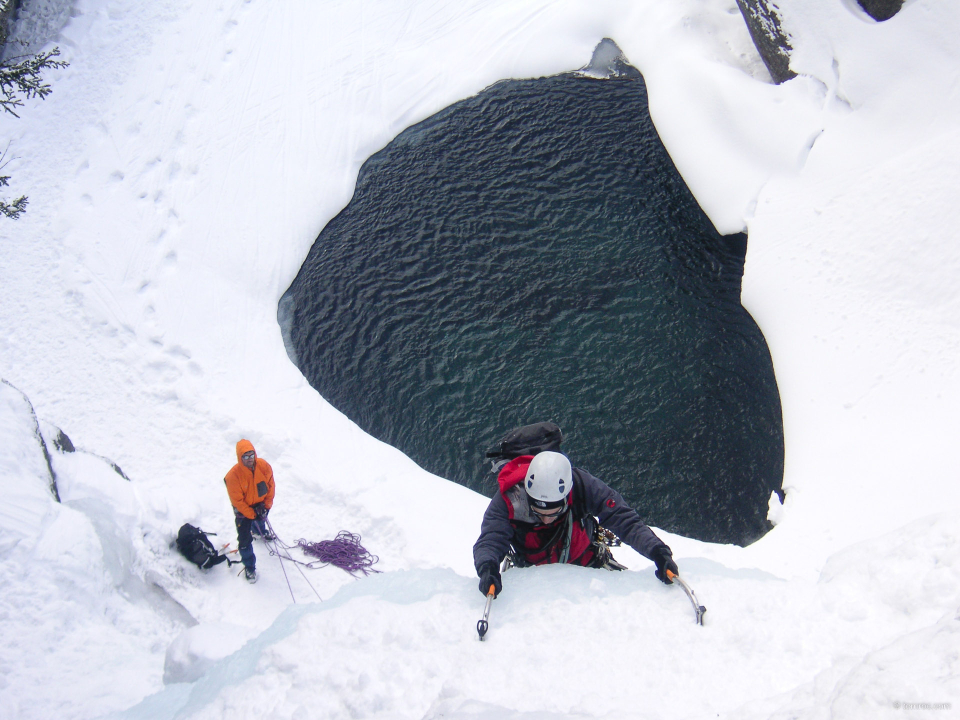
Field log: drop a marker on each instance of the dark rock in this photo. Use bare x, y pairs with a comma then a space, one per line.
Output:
30, 25
117, 470
608, 61
881, 9
8, 15
43, 445
63, 443
773, 44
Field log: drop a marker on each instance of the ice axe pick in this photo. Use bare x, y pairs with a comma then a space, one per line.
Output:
482, 623
697, 607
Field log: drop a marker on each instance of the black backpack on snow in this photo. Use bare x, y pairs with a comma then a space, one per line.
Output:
193, 544
526, 440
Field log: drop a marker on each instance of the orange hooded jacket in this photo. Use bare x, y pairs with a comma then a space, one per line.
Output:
246, 486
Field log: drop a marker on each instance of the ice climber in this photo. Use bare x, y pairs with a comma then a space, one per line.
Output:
251, 489
547, 512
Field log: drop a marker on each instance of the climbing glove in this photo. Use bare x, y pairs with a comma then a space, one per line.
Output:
261, 510
663, 559
489, 574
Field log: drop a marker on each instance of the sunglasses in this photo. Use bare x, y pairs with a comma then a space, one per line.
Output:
544, 514
249, 455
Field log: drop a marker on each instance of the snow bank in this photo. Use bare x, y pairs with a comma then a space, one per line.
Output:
197, 649
24, 473
178, 174
878, 628
79, 618
851, 276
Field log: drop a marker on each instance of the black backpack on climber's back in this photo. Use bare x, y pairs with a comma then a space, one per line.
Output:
193, 544
526, 440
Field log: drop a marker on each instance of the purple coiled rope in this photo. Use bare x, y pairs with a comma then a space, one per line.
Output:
344, 552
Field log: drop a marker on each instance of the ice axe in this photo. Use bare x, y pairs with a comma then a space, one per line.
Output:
226, 551
483, 624
697, 607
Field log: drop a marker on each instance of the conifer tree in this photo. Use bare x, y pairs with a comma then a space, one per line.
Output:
22, 78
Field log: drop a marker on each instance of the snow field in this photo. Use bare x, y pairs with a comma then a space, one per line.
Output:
178, 174
71, 600
850, 273
880, 625
570, 641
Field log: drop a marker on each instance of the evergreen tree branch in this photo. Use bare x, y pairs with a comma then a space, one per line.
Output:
24, 78
14, 209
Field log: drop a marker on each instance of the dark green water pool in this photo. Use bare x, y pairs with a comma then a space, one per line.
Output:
528, 254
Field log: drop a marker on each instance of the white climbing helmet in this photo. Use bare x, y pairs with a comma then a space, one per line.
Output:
549, 479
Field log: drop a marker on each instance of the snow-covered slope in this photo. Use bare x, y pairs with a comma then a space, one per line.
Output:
852, 272
178, 173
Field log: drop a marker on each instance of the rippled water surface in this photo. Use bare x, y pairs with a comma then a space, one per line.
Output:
531, 253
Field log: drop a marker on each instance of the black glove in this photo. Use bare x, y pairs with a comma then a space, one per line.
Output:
489, 574
261, 510
663, 558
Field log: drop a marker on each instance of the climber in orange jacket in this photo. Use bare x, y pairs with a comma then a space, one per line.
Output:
251, 489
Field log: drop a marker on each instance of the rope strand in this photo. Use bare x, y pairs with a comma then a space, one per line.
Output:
276, 551
344, 552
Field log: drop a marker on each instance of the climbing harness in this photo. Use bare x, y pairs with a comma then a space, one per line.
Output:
604, 540
607, 537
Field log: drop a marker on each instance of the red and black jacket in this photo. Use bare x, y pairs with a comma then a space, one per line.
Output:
509, 523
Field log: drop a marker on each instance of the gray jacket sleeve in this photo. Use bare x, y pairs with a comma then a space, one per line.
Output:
614, 514
496, 533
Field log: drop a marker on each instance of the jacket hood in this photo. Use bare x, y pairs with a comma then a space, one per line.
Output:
244, 446
513, 472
